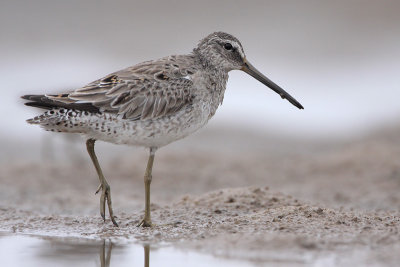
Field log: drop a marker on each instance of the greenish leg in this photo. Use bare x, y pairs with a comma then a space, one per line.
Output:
146, 222
104, 187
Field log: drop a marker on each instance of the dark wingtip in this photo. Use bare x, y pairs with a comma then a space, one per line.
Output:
37, 101
38, 105
28, 97
42, 101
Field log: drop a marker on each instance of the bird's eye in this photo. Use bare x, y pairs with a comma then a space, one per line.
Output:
228, 46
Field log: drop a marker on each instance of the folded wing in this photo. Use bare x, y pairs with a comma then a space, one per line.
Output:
145, 91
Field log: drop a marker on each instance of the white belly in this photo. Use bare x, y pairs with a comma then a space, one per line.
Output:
149, 133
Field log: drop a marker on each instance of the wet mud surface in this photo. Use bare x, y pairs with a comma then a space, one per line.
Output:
260, 199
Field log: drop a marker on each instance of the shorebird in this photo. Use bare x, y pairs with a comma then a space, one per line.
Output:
150, 104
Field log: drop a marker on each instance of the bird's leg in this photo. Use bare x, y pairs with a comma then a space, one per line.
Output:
104, 186
146, 222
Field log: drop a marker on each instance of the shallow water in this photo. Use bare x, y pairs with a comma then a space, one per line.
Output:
22, 250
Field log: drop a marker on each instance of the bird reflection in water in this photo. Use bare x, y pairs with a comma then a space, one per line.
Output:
146, 255
106, 250
105, 257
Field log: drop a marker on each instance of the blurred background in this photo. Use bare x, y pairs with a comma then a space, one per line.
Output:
340, 59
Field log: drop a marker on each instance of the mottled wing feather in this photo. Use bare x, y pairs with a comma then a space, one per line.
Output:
146, 91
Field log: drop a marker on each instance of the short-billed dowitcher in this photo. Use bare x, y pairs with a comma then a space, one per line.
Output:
150, 104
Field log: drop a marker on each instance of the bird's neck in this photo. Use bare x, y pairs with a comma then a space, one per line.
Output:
211, 86
218, 82
212, 79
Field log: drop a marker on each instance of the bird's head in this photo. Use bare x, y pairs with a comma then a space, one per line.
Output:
224, 51
221, 50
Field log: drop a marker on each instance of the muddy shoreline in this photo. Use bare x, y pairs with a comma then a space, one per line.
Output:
301, 203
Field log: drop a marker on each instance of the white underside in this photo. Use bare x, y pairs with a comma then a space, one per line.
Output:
148, 133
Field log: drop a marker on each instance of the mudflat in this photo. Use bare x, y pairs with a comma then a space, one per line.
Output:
232, 194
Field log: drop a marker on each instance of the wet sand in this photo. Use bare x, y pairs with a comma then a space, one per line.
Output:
232, 194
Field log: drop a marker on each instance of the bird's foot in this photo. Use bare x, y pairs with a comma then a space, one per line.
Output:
145, 222
106, 197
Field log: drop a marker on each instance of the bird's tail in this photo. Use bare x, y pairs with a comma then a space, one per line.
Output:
57, 107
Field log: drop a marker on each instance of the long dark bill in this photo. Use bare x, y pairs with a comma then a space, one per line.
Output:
251, 70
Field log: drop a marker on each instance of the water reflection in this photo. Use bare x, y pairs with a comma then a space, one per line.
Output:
105, 258
106, 249
146, 255
28, 251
